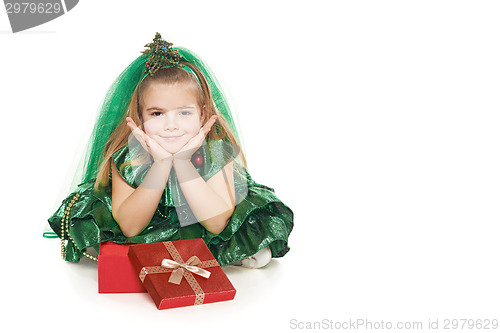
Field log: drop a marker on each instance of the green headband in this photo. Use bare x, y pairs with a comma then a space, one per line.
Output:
186, 68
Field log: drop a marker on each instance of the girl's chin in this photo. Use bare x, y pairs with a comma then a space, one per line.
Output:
173, 151
173, 147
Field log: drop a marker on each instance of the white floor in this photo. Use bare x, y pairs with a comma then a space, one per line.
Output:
65, 294
325, 281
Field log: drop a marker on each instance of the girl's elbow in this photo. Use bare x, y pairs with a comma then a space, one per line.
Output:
218, 223
216, 230
129, 233
127, 230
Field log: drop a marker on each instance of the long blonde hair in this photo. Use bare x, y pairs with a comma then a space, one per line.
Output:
171, 75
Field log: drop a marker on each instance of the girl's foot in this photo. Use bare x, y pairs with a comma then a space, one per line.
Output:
258, 260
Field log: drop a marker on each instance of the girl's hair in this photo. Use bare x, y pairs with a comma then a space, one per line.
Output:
171, 75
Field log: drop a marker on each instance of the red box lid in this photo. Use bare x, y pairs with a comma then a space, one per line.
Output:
168, 295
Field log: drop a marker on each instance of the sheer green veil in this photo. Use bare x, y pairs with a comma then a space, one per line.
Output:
114, 107
118, 98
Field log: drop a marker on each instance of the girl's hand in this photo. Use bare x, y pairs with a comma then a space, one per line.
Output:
192, 145
148, 143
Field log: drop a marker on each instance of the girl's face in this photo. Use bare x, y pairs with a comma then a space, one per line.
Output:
171, 112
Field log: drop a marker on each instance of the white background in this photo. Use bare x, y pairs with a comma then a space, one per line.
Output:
377, 122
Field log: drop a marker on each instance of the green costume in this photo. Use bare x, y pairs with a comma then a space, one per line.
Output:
260, 219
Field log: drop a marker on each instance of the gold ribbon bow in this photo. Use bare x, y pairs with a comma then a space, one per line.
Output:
178, 268
178, 263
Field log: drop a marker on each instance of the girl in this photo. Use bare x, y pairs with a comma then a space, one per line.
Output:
165, 163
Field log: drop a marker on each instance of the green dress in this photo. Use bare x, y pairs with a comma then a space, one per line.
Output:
260, 219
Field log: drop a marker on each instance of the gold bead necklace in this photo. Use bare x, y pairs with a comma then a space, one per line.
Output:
161, 214
65, 227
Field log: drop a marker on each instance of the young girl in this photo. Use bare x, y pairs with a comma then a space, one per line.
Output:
165, 163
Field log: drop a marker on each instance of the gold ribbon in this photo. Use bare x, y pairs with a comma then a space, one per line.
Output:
178, 268
184, 269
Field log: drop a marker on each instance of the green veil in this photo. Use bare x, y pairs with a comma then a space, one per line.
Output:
113, 110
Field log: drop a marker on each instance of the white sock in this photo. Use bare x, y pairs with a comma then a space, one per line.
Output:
258, 260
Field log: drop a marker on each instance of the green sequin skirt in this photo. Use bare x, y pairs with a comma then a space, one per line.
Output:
259, 220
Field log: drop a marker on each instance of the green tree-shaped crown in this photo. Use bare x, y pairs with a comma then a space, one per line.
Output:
161, 55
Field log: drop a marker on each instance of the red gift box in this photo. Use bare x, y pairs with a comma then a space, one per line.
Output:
182, 258
115, 273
